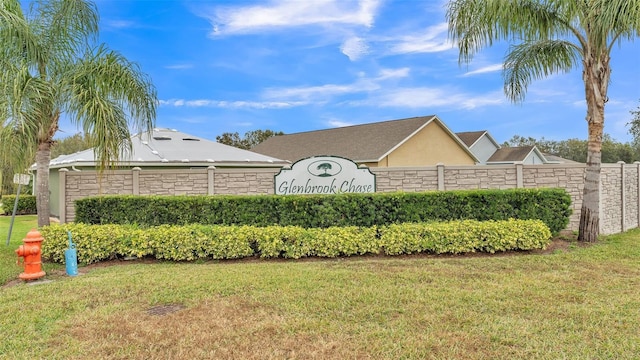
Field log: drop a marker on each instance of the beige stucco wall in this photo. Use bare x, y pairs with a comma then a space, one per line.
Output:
430, 146
620, 185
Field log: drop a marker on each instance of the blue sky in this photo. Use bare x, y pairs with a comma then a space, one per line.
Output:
300, 65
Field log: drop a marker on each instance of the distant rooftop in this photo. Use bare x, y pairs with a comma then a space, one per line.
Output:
166, 147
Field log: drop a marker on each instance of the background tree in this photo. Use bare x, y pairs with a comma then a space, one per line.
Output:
634, 128
250, 139
70, 144
553, 36
50, 67
576, 149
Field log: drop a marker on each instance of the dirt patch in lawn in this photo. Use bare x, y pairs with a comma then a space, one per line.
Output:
217, 328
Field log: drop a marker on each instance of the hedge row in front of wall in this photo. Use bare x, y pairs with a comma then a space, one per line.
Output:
194, 242
26, 204
552, 206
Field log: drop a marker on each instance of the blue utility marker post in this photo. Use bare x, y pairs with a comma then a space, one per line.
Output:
71, 258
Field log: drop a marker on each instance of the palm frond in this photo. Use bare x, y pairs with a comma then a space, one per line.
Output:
106, 95
535, 60
65, 28
18, 42
476, 24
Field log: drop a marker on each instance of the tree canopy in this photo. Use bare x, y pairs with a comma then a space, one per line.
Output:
50, 66
250, 139
576, 149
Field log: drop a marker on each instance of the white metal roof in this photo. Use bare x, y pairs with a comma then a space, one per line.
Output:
168, 147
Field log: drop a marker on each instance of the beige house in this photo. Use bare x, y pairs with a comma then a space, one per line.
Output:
418, 141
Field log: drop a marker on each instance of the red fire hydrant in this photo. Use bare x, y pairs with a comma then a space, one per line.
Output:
31, 252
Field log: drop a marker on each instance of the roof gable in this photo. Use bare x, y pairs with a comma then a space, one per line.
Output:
514, 154
470, 138
361, 143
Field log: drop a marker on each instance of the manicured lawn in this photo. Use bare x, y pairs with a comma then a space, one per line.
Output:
8, 258
579, 303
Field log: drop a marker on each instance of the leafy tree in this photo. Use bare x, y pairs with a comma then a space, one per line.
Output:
635, 126
71, 144
49, 66
231, 139
250, 139
576, 149
553, 36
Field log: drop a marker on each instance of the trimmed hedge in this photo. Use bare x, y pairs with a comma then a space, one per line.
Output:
192, 242
552, 206
26, 204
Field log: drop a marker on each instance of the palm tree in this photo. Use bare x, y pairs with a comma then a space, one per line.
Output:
50, 67
553, 36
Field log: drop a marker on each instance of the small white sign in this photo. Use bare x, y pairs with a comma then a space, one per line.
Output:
22, 179
324, 175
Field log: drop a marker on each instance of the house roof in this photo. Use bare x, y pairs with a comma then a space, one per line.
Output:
470, 138
557, 159
360, 143
513, 154
168, 147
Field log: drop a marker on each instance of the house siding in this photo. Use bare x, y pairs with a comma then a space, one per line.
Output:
483, 149
430, 146
533, 159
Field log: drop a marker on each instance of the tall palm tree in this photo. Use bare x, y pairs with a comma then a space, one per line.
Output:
51, 67
552, 36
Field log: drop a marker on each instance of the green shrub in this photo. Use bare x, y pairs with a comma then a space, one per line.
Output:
463, 236
552, 206
193, 242
26, 204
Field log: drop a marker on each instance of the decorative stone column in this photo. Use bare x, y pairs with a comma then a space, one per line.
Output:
136, 180
440, 167
62, 194
211, 173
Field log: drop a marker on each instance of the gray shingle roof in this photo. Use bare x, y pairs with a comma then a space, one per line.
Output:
508, 154
470, 137
360, 143
165, 147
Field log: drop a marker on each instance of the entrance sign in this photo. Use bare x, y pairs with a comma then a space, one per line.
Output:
324, 175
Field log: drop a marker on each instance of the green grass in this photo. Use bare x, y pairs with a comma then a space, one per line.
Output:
9, 269
583, 303
8, 258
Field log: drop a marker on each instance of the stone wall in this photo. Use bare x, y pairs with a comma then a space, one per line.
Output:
620, 186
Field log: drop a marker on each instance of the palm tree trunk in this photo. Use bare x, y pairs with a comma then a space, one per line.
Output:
596, 80
43, 156
590, 212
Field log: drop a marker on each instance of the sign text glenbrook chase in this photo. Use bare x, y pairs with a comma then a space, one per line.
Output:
324, 175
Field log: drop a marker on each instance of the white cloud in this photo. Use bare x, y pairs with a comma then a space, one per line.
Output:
120, 24
172, 102
393, 73
320, 92
323, 92
179, 66
355, 48
232, 104
424, 97
486, 69
434, 39
338, 123
291, 13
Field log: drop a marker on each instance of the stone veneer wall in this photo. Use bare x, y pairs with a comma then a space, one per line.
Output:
620, 186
